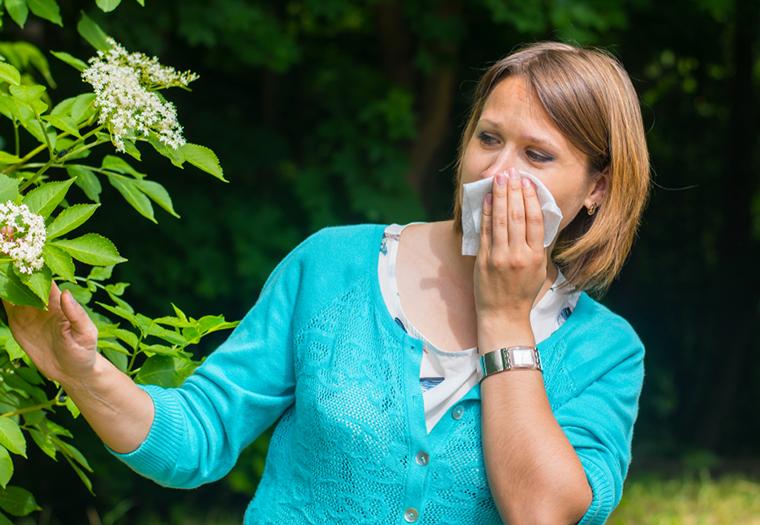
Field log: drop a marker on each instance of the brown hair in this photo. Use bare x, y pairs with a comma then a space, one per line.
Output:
589, 97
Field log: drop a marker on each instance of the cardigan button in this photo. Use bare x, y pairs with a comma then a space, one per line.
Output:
411, 515
458, 412
422, 458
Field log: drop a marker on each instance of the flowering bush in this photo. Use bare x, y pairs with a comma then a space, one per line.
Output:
122, 83
37, 216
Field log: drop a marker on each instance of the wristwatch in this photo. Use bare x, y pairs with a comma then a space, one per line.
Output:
509, 358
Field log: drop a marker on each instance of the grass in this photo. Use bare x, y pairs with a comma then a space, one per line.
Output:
696, 499
649, 498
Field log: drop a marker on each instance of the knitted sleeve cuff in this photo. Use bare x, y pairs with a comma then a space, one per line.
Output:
157, 453
602, 501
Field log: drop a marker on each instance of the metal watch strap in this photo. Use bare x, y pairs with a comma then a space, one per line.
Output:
509, 358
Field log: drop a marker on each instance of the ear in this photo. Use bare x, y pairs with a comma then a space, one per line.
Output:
598, 188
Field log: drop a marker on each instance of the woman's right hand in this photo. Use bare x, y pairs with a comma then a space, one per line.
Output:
61, 342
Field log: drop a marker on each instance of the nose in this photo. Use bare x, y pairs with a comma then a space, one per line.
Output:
501, 161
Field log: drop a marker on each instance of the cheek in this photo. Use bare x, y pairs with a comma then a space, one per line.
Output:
474, 162
566, 200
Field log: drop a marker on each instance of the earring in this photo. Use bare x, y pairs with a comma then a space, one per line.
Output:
591, 209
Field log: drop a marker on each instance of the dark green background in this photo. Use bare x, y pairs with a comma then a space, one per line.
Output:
328, 112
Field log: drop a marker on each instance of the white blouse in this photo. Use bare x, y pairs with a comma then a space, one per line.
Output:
445, 377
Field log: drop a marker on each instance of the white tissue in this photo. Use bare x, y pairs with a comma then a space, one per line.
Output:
472, 209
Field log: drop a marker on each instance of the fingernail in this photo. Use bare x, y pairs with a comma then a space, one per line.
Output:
512, 174
501, 180
526, 183
489, 198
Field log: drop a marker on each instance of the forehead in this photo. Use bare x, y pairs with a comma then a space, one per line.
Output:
513, 105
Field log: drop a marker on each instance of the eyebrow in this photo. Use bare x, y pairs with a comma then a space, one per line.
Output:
530, 138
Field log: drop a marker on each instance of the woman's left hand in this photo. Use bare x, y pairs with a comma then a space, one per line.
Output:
510, 266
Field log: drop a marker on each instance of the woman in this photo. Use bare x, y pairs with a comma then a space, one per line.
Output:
379, 423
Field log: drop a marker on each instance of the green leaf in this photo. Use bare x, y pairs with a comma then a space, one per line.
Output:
44, 198
7, 158
13, 290
11, 436
167, 335
8, 188
158, 194
6, 467
9, 107
17, 501
28, 94
27, 57
120, 311
100, 273
131, 149
70, 218
158, 350
165, 371
9, 74
33, 126
82, 476
119, 165
38, 282
131, 192
43, 442
114, 346
30, 375
72, 452
59, 262
9, 343
91, 248
203, 158
86, 180
120, 360
18, 11
81, 295
83, 108
107, 5
71, 60
117, 288
47, 9
170, 153
72, 408
63, 123
214, 323
92, 33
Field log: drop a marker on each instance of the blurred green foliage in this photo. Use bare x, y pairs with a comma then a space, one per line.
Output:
341, 112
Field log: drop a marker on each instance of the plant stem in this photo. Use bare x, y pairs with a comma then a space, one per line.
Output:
44, 134
32, 408
15, 136
58, 162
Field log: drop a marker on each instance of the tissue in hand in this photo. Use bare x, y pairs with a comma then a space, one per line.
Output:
472, 209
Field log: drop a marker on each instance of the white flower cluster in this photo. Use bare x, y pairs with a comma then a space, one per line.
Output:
124, 84
22, 236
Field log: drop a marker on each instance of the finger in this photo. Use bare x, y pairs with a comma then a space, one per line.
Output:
534, 219
54, 299
74, 312
485, 222
516, 210
499, 211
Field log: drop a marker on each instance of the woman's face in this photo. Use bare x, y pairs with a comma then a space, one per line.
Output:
515, 131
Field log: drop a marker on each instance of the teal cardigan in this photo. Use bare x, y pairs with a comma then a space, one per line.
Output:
320, 351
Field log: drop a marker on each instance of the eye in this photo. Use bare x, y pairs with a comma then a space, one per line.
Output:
539, 157
486, 139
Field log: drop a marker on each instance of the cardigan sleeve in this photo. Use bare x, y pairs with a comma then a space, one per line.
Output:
599, 422
239, 391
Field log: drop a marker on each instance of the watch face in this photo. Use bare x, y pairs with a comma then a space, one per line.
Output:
523, 357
